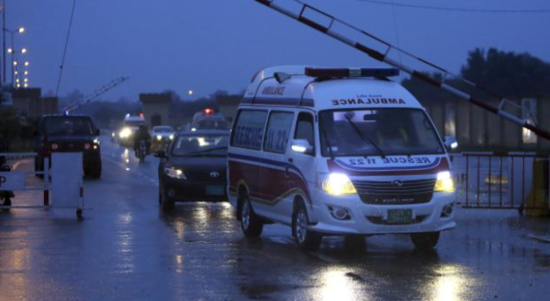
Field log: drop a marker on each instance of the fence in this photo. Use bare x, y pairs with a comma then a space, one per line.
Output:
502, 181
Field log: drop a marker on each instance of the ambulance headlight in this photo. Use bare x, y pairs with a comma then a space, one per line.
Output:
338, 184
159, 137
444, 182
175, 173
171, 137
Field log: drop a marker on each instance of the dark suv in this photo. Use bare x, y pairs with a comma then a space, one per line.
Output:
74, 133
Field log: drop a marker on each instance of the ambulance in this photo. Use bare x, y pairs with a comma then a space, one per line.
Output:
338, 151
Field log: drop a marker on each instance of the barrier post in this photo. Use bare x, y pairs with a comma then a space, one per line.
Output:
46, 181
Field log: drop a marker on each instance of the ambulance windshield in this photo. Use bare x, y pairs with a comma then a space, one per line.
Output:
378, 132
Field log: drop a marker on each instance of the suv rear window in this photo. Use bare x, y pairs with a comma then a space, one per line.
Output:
67, 126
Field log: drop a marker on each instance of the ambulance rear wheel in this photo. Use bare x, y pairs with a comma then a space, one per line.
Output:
251, 224
425, 241
306, 239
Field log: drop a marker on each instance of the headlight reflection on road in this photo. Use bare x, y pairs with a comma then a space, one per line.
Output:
450, 284
179, 262
338, 286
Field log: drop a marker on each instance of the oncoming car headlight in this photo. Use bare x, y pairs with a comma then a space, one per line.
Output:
444, 182
171, 137
159, 137
175, 173
125, 133
338, 184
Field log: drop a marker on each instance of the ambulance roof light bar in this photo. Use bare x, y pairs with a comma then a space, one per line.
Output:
351, 72
381, 50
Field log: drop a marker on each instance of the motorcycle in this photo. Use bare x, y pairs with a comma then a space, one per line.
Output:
142, 151
5, 196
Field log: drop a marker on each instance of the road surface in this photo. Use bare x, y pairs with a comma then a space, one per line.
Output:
126, 249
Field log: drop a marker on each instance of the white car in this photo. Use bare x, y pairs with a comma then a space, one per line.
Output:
162, 135
338, 152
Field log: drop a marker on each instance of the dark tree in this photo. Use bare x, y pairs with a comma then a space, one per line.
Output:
507, 73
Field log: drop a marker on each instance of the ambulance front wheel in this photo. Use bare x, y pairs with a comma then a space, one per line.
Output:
251, 224
306, 239
425, 241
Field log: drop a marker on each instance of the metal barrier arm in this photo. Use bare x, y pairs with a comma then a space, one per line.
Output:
380, 50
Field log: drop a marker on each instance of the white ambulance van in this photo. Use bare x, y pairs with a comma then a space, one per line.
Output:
338, 152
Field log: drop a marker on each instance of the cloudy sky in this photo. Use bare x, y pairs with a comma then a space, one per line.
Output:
206, 45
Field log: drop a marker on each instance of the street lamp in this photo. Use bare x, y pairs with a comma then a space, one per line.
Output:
20, 30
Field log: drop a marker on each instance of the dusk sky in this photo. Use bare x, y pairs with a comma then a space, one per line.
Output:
207, 45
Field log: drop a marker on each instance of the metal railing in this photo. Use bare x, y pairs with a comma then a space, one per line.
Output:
501, 180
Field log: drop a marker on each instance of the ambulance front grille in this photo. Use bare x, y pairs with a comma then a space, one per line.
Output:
395, 192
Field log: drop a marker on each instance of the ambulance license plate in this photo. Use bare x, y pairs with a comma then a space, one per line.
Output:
399, 216
214, 190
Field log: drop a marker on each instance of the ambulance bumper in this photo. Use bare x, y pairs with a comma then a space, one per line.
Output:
368, 219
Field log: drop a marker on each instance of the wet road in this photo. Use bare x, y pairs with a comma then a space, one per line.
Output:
125, 249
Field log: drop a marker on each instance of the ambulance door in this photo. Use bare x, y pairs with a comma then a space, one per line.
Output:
302, 177
245, 158
273, 170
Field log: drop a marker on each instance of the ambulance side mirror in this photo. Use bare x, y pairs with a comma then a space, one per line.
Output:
450, 142
302, 146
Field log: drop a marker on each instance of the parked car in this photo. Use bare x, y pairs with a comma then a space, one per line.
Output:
69, 133
193, 168
338, 152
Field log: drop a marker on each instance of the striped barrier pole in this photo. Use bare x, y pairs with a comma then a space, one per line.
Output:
336, 29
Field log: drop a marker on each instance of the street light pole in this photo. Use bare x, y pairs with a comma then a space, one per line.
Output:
4, 40
13, 59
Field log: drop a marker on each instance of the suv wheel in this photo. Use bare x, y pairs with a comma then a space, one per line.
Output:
5, 200
96, 172
306, 239
251, 224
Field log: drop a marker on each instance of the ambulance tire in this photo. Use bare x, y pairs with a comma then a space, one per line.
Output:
305, 239
251, 224
425, 241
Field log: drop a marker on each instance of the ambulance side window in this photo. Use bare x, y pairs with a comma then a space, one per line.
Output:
278, 131
249, 129
304, 129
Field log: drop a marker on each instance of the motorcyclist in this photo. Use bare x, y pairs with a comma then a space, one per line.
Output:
142, 134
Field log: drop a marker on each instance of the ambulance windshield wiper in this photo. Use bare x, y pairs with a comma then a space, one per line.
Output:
365, 138
324, 132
